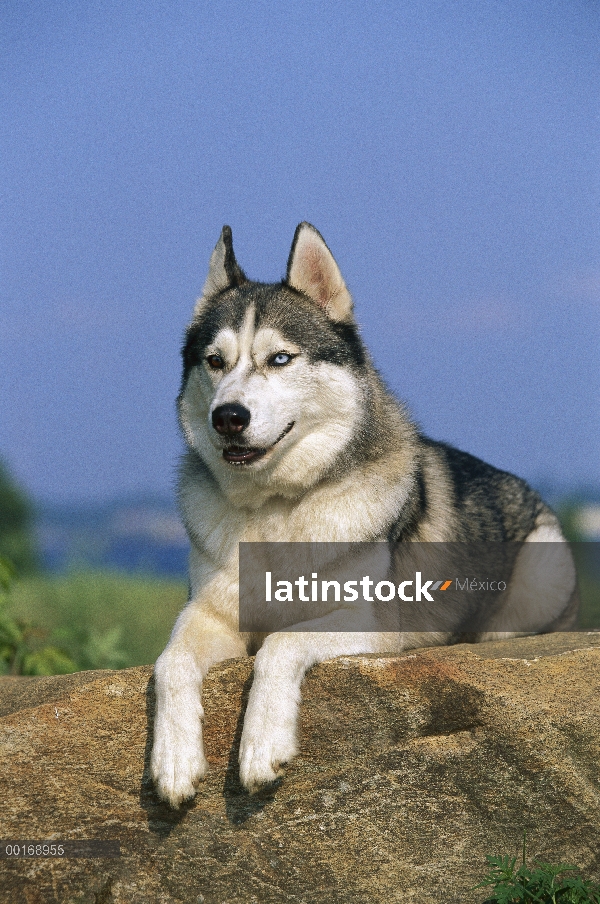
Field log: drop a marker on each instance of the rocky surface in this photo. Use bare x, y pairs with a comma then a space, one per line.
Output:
413, 768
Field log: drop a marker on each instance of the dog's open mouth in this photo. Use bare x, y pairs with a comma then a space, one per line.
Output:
238, 455
243, 455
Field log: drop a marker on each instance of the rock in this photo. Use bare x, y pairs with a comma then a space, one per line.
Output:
412, 769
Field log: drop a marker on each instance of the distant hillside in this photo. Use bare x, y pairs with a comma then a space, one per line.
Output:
134, 534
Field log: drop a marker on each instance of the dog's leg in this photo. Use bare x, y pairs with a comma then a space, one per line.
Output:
270, 725
199, 640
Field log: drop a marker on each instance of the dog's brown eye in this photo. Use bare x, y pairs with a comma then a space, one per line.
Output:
215, 362
280, 359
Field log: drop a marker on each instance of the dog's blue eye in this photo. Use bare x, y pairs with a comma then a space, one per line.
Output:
215, 362
280, 359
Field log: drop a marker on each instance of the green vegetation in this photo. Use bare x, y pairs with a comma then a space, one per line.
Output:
22, 647
542, 884
98, 619
586, 558
81, 620
16, 522
589, 592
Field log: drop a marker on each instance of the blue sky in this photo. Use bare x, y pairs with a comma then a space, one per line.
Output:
449, 152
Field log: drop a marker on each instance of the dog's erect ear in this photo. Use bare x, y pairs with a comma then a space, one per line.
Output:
312, 270
223, 270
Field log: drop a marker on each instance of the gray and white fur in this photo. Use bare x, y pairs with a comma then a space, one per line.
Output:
292, 436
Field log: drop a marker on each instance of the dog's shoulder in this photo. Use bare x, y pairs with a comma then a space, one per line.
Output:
458, 496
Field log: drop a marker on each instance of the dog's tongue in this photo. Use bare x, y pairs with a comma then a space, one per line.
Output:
239, 455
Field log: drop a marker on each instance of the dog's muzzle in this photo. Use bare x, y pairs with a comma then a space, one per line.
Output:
230, 421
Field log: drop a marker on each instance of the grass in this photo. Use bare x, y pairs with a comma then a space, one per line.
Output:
587, 563
544, 883
98, 619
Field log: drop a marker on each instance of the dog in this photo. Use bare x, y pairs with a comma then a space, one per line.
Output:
292, 436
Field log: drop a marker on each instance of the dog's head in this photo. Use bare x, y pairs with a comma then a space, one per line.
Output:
272, 388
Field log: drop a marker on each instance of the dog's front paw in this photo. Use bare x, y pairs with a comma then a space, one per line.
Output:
268, 741
262, 760
177, 764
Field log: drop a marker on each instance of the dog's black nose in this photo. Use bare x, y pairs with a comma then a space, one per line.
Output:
229, 420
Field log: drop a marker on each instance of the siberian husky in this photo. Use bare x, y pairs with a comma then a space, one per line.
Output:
292, 436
